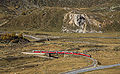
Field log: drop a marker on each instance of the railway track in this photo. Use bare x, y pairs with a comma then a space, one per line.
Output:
94, 64
91, 67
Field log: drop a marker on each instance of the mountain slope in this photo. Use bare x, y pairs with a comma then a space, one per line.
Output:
47, 19
48, 15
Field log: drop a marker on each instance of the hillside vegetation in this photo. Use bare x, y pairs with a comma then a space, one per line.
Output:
48, 15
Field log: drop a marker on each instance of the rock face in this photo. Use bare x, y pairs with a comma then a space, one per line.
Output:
80, 23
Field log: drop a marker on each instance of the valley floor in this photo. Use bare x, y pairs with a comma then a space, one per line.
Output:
105, 51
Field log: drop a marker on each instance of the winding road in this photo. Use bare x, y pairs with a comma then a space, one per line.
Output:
91, 67
31, 37
59, 37
4, 23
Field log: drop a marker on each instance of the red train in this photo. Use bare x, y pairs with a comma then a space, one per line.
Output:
62, 52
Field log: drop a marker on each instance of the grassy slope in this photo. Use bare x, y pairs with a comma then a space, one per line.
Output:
50, 18
73, 3
47, 19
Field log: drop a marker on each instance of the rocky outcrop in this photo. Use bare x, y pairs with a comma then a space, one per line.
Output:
80, 23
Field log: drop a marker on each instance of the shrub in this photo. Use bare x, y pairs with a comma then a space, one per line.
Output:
12, 38
116, 48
